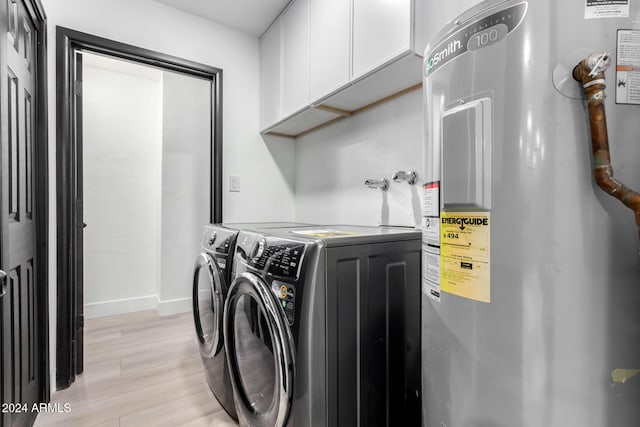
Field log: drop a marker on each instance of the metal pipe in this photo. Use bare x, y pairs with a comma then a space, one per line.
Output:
590, 72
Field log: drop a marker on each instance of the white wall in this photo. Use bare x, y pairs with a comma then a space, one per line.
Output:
122, 147
333, 163
186, 160
154, 26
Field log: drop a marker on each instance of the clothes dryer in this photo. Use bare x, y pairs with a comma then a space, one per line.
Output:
322, 327
212, 275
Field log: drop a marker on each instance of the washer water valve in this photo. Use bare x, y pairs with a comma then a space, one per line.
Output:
411, 177
382, 184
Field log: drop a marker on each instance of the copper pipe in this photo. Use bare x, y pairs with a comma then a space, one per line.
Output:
590, 72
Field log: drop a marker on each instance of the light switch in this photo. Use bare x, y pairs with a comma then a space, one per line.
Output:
234, 184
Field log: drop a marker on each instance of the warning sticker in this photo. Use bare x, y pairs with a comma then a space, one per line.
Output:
324, 233
431, 199
431, 271
628, 67
431, 212
595, 9
464, 254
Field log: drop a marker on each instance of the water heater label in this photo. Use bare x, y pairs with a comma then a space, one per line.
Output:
628, 67
595, 9
431, 240
431, 271
465, 255
474, 36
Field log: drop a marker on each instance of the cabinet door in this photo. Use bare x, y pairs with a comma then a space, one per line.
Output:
295, 57
329, 52
270, 75
381, 31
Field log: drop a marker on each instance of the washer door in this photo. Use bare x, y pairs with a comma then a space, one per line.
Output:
208, 304
260, 353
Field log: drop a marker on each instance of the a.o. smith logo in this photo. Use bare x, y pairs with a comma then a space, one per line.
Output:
476, 35
443, 54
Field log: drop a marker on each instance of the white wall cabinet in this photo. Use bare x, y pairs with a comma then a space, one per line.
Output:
271, 75
295, 57
339, 56
381, 31
329, 46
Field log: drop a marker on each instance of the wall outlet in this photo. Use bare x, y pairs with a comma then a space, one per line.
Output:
234, 184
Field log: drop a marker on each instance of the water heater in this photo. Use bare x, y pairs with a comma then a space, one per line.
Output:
531, 270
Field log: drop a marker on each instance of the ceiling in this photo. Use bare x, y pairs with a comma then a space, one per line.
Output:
250, 16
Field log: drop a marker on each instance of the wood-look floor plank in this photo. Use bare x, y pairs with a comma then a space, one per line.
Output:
165, 353
175, 413
92, 391
128, 403
152, 348
111, 423
138, 366
118, 321
217, 419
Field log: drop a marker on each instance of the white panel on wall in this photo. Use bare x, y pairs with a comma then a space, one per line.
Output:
122, 177
333, 163
186, 190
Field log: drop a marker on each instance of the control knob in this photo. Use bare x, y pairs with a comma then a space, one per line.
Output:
212, 238
258, 248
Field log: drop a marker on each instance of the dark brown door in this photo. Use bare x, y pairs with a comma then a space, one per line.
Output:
20, 373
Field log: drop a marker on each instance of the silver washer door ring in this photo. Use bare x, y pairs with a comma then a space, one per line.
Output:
277, 414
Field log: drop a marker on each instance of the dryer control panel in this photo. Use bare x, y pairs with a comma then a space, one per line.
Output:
218, 240
279, 257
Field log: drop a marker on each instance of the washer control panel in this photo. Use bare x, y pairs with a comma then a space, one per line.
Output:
279, 257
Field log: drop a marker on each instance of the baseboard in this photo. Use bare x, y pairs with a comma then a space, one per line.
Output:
121, 306
174, 306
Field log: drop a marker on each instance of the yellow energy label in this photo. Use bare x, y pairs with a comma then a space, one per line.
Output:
465, 255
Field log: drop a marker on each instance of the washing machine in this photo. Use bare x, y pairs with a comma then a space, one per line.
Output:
322, 327
212, 275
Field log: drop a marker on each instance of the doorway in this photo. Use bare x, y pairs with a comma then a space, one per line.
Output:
71, 46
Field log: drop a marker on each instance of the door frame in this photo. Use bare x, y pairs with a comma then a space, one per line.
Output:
68, 42
41, 186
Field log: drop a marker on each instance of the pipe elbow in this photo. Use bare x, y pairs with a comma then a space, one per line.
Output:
592, 67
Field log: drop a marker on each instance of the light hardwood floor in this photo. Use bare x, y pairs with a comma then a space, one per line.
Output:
140, 370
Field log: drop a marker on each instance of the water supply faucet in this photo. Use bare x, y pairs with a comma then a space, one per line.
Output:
411, 177
382, 184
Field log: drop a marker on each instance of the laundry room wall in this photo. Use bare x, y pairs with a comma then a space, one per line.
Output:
333, 163
148, 24
186, 134
122, 149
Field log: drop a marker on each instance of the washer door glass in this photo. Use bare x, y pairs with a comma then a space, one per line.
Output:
259, 352
208, 305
